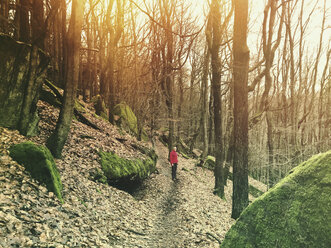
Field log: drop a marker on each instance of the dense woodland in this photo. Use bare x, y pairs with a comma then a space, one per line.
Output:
260, 107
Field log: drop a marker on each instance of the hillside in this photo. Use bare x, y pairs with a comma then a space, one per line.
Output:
162, 213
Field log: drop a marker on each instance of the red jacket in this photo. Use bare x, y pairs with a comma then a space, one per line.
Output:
173, 157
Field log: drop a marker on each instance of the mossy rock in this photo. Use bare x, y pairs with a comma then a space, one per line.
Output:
100, 107
121, 171
209, 163
80, 107
123, 116
127, 119
20, 83
184, 155
50, 93
295, 213
39, 161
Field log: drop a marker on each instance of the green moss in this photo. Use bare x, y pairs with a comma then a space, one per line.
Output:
100, 107
252, 190
104, 116
79, 107
18, 93
47, 95
32, 129
144, 136
40, 163
184, 155
83, 203
124, 117
209, 163
293, 214
118, 169
127, 117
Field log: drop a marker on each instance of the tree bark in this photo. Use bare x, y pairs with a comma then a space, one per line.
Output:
240, 76
214, 37
38, 24
4, 11
24, 24
57, 140
205, 107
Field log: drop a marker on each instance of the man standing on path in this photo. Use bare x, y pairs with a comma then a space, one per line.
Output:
173, 162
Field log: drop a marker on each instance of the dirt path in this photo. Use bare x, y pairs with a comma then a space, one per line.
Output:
167, 226
184, 213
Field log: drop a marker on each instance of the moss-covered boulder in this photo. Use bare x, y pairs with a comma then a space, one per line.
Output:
39, 161
51, 94
209, 163
121, 171
22, 71
295, 213
123, 116
100, 107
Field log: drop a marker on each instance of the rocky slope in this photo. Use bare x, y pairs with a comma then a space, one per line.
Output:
162, 213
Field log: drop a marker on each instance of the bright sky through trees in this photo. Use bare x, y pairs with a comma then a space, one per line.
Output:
199, 8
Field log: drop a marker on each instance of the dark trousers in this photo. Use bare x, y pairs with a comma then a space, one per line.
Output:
174, 170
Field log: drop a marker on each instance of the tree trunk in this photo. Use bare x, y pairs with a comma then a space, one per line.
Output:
216, 84
63, 61
57, 140
240, 76
270, 150
205, 110
24, 24
214, 39
230, 136
181, 101
4, 11
37, 24
211, 148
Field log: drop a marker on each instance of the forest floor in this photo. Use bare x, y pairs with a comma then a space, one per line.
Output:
162, 213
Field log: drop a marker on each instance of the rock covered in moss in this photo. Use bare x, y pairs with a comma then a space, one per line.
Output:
22, 71
123, 116
39, 161
293, 214
209, 163
120, 170
100, 106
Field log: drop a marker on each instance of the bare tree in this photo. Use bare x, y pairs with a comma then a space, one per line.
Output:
214, 33
240, 77
57, 140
